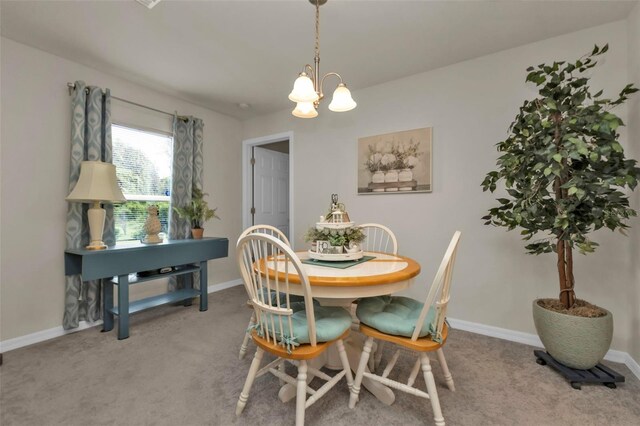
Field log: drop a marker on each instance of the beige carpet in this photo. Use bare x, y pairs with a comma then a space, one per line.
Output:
180, 367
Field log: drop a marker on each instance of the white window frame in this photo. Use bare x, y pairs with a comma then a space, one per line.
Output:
139, 197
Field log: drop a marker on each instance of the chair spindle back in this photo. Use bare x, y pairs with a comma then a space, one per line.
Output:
379, 238
439, 291
266, 229
266, 264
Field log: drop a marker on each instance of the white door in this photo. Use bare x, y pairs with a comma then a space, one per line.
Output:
271, 189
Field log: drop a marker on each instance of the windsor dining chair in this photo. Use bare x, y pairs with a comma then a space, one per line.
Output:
268, 230
293, 332
409, 324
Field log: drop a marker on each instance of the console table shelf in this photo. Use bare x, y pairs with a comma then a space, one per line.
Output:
187, 256
161, 299
186, 269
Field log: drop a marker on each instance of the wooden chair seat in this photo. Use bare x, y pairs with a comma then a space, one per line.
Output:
304, 351
424, 344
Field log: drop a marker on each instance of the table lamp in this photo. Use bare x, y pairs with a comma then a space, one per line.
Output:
97, 184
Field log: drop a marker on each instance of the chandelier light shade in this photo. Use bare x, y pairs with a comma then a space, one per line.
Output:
303, 90
307, 89
305, 110
342, 100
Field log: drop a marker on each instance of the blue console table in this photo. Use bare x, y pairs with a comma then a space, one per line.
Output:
185, 256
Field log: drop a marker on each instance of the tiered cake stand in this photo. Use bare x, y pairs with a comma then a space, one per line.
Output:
335, 257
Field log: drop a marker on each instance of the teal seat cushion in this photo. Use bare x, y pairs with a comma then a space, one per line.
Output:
331, 323
394, 315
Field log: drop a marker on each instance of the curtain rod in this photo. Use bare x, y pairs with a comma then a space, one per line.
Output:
72, 86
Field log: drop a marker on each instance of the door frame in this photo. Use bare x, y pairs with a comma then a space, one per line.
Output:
247, 144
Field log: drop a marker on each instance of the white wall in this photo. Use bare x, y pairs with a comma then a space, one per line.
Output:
34, 177
470, 106
633, 26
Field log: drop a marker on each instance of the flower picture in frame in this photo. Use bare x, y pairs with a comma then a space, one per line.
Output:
395, 163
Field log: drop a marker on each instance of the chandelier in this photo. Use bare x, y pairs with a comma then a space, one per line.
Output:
307, 89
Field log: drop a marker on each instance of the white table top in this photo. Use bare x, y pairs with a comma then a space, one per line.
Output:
385, 274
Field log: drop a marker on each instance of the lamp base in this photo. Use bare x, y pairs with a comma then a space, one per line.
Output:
96, 216
96, 245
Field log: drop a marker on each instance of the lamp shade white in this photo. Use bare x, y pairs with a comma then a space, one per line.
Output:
97, 183
303, 90
305, 110
342, 100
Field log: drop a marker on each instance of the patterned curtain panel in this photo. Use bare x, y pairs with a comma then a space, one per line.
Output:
187, 173
90, 140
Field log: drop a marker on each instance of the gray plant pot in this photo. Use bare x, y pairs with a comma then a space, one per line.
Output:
576, 342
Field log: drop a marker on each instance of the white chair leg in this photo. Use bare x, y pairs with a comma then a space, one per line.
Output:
301, 392
247, 336
445, 370
431, 389
244, 395
345, 363
378, 356
355, 391
371, 363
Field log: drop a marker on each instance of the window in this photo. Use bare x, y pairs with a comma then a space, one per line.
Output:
143, 165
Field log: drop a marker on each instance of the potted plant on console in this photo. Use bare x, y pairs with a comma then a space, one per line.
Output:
197, 212
566, 175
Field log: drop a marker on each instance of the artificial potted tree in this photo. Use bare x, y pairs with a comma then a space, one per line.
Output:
565, 175
197, 212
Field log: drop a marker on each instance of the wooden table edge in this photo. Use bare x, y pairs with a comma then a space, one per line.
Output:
412, 270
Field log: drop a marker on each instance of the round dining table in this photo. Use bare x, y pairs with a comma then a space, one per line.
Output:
336, 286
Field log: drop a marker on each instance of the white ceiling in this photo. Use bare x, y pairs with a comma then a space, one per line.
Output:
221, 53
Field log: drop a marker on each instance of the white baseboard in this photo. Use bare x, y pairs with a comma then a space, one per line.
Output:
633, 365
485, 330
41, 336
223, 286
534, 340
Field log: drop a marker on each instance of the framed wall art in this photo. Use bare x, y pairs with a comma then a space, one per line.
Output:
395, 163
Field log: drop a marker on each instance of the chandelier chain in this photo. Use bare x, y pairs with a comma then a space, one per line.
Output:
317, 28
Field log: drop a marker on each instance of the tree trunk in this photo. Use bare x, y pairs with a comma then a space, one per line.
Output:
565, 273
570, 296
563, 247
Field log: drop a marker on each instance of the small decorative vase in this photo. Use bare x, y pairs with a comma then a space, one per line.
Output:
196, 233
152, 226
353, 248
378, 177
337, 249
405, 175
390, 177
